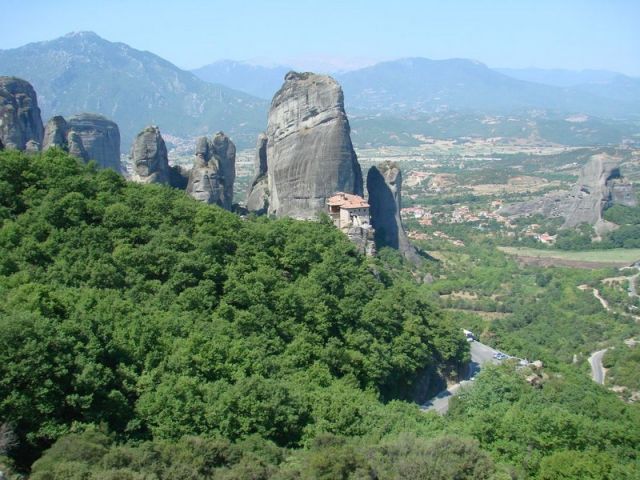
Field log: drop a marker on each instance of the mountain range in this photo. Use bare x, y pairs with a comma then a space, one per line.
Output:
423, 85
257, 80
82, 72
412, 85
560, 77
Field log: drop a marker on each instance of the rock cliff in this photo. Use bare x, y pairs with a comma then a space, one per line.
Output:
56, 132
258, 195
309, 153
384, 184
20, 121
592, 193
87, 136
149, 157
214, 171
100, 138
599, 186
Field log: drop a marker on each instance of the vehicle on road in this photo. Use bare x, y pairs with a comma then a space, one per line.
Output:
500, 356
469, 335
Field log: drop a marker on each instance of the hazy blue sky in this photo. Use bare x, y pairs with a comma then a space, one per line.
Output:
501, 33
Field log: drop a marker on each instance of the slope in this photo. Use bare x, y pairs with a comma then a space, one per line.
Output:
82, 72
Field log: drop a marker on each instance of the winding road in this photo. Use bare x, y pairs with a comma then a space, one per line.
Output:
481, 354
597, 370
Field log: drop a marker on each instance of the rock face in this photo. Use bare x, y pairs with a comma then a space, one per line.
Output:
592, 193
384, 184
56, 132
258, 195
20, 121
100, 139
87, 136
214, 171
599, 186
309, 154
149, 157
622, 193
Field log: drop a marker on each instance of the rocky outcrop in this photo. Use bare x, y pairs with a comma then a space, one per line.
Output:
76, 148
87, 136
56, 132
384, 184
214, 171
100, 139
20, 122
622, 193
258, 195
309, 153
149, 157
600, 185
363, 238
592, 193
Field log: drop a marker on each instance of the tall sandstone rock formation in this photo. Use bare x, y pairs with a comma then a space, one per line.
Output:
150, 158
599, 186
596, 189
309, 153
87, 136
214, 171
56, 133
258, 195
384, 184
20, 120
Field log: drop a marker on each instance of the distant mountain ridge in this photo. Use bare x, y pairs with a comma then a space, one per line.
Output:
257, 80
559, 77
601, 83
422, 85
82, 72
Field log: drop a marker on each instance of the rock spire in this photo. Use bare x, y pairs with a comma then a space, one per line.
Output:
309, 154
384, 184
214, 171
20, 121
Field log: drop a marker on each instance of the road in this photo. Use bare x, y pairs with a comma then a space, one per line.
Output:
597, 370
633, 282
603, 302
481, 354
595, 360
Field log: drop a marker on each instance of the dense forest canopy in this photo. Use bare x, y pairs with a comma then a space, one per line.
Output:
144, 335
143, 310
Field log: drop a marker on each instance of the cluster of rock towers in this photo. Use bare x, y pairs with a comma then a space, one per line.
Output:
304, 157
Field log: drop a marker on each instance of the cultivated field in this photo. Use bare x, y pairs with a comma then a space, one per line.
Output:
584, 259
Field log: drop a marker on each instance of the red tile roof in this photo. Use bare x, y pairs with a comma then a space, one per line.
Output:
347, 200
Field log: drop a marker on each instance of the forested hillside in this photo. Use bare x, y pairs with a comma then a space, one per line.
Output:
144, 335
140, 309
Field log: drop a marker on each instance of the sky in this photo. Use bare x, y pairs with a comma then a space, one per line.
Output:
338, 35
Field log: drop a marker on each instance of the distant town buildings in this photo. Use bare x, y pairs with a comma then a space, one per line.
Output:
546, 238
461, 214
